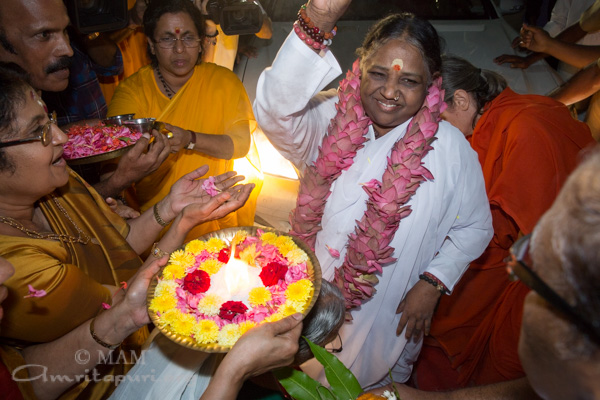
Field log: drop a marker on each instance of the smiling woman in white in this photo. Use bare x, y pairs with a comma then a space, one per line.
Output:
450, 223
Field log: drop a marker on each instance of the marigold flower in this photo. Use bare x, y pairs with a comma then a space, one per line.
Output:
184, 323
248, 255
210, 305
214, 245
246, 326
163, 302
296, 256
205, 331
292, 307
269, 237
183, 258
195, 247
229, 334
259, 296
300, 291
211, 266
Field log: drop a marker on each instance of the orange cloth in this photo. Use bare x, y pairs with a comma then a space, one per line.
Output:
72, 274
527, 146
135, 56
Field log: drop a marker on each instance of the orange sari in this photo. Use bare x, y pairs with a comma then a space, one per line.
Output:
527, 146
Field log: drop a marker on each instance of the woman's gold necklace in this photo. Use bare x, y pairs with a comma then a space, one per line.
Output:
168, 91
81, 238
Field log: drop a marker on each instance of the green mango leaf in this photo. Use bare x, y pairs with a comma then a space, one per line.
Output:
301, 386
342, 382
124, 139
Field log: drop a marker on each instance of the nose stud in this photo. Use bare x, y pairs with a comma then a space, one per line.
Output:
396, 98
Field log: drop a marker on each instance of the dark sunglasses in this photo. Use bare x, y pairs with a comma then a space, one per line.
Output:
45, 135
519, 269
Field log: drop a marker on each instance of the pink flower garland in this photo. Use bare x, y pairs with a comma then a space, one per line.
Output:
368, 246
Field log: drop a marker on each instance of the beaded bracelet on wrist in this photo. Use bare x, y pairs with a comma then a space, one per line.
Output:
311, 34
429, 278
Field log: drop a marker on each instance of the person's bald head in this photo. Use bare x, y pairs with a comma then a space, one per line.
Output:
33, 35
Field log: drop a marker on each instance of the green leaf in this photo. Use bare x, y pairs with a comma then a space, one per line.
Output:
301, 386
342, 382
125, 139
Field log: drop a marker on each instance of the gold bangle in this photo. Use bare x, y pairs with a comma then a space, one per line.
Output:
100, 341
157, 216
158, 253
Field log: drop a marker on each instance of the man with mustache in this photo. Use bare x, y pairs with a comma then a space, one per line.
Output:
33, 35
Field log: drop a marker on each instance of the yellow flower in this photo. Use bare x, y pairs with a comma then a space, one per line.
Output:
300, 291
206, 331
285, 244
214, 245
174, 271
259, 296
274, 317
239, 237
296, 256
291, 307
165, 286
211, 266
248, 255
210, 304
184, 323
269, 237
180, 257
229, 334
195, 247
246, 326
163, 302
169, 316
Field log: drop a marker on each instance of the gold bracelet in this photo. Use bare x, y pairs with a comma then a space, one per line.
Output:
100, 341
157, 216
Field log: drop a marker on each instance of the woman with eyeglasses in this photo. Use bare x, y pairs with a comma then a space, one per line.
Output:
73, 257
527, 146
204, 105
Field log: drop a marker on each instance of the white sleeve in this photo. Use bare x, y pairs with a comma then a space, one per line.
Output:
558, 18
472, 228
289, 106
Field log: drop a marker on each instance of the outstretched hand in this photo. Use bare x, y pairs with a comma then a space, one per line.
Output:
131, 300
143, 158
266, 347
417, 309
514, 61
535, 39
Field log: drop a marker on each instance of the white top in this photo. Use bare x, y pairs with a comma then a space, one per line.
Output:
450, 224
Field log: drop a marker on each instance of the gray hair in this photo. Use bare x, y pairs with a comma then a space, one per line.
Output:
323, 321
573, 223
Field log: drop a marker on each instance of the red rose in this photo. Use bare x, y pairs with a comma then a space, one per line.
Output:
272, 273
197, 282
224, 255
230, 309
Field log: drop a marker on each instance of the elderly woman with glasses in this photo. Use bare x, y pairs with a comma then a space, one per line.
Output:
204, 105
527, 146
70, 252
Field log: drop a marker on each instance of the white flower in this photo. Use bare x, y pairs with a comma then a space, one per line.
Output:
389, 395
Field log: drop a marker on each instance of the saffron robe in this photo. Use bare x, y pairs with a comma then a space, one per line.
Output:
72, 274
527, 146
212, 101
450, 223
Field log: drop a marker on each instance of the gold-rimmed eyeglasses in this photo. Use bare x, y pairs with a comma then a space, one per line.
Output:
45, 135
169, 42
518, 266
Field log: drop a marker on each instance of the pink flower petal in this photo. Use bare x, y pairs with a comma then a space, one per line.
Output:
34, 292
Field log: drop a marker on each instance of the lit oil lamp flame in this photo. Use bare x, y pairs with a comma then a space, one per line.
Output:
236, 274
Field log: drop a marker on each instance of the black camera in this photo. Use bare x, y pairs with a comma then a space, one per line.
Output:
90, 16
236, 17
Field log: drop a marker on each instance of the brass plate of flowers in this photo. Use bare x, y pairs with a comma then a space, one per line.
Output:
312, 273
